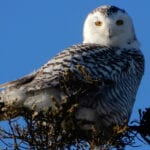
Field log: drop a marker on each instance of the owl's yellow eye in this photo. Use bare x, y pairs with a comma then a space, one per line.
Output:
98, 23
119, 22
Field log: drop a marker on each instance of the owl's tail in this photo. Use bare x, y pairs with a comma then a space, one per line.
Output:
12, 94
14, 101
10, 101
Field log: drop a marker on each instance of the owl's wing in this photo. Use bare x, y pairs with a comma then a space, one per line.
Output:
87, 63
84, 63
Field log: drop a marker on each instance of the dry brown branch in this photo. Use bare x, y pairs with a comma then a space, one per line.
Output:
59, 128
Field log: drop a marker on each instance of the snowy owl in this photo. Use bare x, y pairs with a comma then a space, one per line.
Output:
110, 52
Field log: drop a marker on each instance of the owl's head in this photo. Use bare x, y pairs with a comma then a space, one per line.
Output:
110, 26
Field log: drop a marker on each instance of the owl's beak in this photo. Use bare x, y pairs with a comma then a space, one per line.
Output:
110, 33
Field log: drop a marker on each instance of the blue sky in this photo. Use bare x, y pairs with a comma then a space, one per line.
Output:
33, 31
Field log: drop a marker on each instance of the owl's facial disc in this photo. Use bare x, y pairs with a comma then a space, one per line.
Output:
109, 26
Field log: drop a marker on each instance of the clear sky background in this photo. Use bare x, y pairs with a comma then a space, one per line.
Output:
33, 31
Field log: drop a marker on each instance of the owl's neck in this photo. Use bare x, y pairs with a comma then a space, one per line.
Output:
120, 43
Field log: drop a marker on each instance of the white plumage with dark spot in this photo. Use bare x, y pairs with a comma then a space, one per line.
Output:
110, 52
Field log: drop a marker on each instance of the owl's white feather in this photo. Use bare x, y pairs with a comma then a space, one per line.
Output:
109, 33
